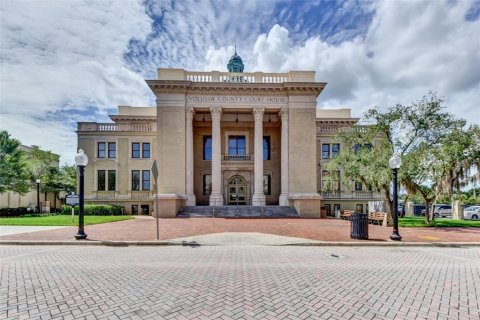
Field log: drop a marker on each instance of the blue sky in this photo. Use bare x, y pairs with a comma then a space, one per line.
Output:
63, 62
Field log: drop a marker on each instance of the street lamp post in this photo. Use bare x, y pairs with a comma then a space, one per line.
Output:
395, 162
38, 195
81, 160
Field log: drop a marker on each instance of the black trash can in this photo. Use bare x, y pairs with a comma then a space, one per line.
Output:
359, 226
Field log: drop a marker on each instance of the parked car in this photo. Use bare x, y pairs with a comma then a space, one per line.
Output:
441, 210
472, 212
417, 209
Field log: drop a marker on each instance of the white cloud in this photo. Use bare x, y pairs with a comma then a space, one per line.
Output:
66, 55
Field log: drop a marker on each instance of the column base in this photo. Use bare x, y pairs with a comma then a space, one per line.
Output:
191, 200
307, 204
283, 200
258, 199
216, 200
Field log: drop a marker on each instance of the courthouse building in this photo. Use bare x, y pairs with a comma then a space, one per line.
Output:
221, 139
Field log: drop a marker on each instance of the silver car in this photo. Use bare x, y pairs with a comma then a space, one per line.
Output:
472, 212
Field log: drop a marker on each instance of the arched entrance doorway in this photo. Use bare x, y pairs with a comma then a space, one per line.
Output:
237, 191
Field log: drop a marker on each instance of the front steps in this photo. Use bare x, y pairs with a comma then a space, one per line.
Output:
238, 212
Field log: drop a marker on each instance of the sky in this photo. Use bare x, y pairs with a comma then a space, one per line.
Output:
62, 62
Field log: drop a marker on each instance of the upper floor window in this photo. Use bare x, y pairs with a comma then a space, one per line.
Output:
101, 150
101, 180
112, 150
135, 180
331, 181
112, 180
358, 147
146, 180
146, 150
237, 145
135, 150
266, 148
335, 149
207, 147
358, 186
325, 151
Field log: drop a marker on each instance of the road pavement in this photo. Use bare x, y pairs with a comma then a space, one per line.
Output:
239, 282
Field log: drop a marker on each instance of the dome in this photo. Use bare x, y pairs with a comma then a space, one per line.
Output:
235, 64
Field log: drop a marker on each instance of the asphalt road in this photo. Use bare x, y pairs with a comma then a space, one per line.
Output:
239, 282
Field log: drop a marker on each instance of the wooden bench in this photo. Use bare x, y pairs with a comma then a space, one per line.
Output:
376, 217
346, 214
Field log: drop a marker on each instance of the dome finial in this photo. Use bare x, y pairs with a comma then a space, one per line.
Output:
235, 64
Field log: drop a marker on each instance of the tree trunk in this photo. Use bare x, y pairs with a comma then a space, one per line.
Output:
427, 210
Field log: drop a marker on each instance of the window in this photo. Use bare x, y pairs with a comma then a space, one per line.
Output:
366, 208
135, 180
112, 149
333, 183
135, 150
236, 145
336, 208
101, 180
266, 148
101, 150
325, 151
328, 209
267, 184
207, 184
146, 150
112, 180
358, 186
146, 180
207, 147
134, 208
359, 147
335, 149
359, 208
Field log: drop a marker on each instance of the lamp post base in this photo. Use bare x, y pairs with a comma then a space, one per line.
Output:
81, 235
395, 236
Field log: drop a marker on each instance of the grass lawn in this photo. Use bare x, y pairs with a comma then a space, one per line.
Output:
439, 222
59, 220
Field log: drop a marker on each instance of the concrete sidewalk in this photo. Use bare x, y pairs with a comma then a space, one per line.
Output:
210, 231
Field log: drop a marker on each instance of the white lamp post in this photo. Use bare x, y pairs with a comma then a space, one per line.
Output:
38, 195
81, 160
395, 162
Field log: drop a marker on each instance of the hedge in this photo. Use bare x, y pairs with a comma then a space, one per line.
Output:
96, 210
15, 212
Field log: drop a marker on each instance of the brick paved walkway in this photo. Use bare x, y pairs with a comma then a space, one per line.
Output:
143, 228
50, 282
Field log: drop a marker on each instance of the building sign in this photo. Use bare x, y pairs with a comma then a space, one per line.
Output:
194, 100
72, 200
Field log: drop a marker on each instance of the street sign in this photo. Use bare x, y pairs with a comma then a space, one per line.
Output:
155, 171
72, 200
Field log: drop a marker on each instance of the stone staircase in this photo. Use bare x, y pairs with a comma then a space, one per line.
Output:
238, 212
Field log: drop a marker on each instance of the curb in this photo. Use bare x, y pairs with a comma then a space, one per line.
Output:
196, 244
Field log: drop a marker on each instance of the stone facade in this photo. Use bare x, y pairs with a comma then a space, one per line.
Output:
219, 139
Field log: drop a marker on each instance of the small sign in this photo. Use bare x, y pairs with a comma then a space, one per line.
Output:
72, 200
155, 171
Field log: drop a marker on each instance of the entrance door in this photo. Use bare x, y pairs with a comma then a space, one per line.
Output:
237, 191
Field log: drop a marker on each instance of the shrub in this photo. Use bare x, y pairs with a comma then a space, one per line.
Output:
96, 210
14, 212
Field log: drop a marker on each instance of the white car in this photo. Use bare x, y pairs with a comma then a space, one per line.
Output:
472, 212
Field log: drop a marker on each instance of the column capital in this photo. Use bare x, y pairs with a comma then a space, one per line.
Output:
216, 112
189, 113
258, 113
283, 114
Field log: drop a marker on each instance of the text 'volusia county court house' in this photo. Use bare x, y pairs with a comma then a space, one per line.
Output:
221, 139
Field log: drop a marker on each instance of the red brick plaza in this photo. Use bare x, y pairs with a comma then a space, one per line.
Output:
144, 229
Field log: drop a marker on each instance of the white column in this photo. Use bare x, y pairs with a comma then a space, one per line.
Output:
283, 200
258, 198
216, 198
189, 113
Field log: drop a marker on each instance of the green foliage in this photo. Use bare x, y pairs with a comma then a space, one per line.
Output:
40, 165
436, 151
59, 220
96, 210
420, 222
13, 173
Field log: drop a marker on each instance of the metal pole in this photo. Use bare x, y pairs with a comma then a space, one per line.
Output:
395, 235
81, 235
38, 197
157, 213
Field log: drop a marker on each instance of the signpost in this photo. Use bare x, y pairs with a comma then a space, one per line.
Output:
155, 186
72, 200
